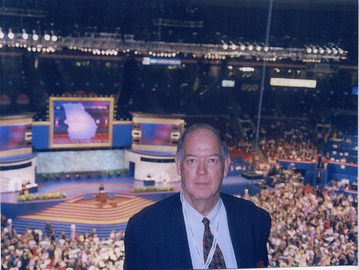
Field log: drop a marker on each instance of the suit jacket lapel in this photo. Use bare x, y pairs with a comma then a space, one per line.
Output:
177, 242
239, 233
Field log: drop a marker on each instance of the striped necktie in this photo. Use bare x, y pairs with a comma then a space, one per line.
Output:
217, 261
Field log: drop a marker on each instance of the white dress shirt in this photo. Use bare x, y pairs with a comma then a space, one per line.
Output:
195, 231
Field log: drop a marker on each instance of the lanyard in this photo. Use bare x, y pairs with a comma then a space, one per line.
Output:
213, 247
195, 243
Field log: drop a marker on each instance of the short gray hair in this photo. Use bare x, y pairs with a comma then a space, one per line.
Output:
180, 145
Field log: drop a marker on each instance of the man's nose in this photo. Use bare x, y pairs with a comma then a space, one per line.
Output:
202, 168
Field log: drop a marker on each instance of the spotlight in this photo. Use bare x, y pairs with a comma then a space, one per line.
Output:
242, 47
232, 46
224, 45
53, 36
24, 34
11, 34
47, 37
35, 37
2, 35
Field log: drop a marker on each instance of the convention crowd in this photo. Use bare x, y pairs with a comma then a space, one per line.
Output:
35, 249
310, 227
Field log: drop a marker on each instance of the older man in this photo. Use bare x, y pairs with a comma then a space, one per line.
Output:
199, 227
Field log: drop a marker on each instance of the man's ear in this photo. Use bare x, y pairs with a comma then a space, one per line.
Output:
226, 165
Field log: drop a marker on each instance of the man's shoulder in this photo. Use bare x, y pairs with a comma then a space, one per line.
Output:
231, 199
160, 208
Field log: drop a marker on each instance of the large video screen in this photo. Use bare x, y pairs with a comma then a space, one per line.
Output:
156, 134
81, 122
15, 135
12, 137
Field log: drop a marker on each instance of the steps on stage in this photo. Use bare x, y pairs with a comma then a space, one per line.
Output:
114, 210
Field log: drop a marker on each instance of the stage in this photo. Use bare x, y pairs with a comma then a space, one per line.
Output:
81, 208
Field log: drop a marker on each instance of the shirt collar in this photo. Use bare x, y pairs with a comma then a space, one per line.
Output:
195, 216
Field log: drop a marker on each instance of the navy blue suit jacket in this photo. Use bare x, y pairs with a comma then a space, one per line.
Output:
155, 238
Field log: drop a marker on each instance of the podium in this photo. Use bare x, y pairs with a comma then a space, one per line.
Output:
101, 196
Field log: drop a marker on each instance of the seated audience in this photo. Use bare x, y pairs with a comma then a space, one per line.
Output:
311, 227
33, 250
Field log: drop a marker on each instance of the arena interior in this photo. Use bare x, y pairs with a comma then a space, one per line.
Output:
95, 95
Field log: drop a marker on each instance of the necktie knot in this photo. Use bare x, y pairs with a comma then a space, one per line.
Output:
206, 222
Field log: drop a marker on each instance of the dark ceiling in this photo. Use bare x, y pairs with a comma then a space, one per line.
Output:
294, 23
284, 4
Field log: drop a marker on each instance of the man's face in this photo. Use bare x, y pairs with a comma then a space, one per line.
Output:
202, 167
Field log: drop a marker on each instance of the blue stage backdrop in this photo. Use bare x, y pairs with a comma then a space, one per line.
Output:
121, 135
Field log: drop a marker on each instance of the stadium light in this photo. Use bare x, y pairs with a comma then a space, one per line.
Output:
11, 34
224, 45
113, 44
242, 47
47, 36
53, 36
35, 36
24, 35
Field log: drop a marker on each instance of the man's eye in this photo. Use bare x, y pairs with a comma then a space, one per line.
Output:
191, 161
213, 160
